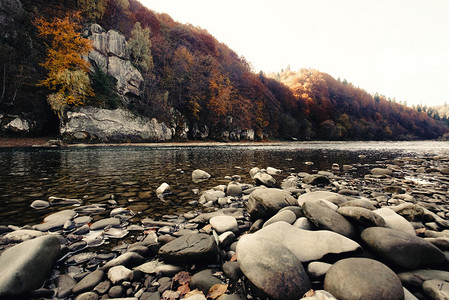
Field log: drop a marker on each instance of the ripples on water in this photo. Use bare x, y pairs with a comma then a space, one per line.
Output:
95, 173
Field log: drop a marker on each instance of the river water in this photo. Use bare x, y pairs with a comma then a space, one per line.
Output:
131, 174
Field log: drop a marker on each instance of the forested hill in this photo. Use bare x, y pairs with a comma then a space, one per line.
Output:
191, 78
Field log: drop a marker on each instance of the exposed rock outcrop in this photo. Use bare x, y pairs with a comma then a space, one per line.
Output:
97, 124
112, 57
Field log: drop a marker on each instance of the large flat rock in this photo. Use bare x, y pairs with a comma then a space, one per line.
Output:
307, 245
190, 248
403, 249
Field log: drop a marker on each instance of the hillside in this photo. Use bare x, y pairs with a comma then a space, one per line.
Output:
193, 83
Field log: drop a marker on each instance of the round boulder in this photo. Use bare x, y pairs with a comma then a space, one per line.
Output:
325, 218
267, 202
272, 268
362, 278
403, 249
224, 223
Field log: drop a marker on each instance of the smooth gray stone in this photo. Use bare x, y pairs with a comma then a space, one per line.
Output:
316, 179
395, 221
190, 248
325, 218
224, 223
363, 278
64, 283
25, 267
114, 222
20, 235
232, 270
321, 195
317, 269
199, 175
118, 274
279, 276
87, 296
265, 179
436, 289
308, 245
88, 282
128, 259
402, 249
286, 216
363, 216
358, 203
267, 202
203, 281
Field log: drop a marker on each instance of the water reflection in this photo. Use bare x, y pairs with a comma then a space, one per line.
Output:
129, 173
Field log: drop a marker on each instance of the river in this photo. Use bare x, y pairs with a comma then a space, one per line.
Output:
130, 174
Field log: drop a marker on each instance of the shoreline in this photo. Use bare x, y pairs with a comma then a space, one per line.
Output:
246, 223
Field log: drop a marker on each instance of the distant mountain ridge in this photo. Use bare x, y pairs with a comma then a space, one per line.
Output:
194, 84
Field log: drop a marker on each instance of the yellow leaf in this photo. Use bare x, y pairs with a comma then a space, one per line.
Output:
217, 290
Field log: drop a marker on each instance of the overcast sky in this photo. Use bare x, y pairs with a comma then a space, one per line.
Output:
399, 48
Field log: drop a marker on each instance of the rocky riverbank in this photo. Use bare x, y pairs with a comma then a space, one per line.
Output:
328, 235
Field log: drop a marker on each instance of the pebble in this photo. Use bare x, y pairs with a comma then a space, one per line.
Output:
304, 221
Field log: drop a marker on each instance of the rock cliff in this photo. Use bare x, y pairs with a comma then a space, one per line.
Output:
87, 124
112, 57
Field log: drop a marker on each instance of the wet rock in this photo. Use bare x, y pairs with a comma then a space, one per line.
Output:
307, 245
226, 238
279, 276
101, 224
237, 213
128, 259
163, 188
321, 195
20, 235
325, 218
88, 282
203, 281
286, 216
190, 248
265, 179
402, 249
64, 284
199, 175
267, 202
395, 221
56, 221
64, 201
357, 278
224, 223
25, 266
40, 204
363, 216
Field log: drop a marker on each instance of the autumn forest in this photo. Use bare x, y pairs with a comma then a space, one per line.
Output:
189, 78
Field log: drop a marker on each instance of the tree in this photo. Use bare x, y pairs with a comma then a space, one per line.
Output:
139, 46
67, 70
93, 9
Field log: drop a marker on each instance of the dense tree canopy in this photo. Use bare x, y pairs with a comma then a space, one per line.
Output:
192, 79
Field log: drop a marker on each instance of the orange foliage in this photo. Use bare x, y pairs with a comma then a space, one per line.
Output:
66, 48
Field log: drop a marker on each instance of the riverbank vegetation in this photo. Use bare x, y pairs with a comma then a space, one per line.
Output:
192, 78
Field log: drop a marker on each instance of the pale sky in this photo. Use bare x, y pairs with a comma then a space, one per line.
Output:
399, 48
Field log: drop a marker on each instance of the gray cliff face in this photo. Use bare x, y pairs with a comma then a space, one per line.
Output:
112, 57
105, 125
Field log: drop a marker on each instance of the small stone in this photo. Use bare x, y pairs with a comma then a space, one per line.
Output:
286, 216
119, 274
116, 291
203, 281
224, 223
436, 289
101, 224
88, 282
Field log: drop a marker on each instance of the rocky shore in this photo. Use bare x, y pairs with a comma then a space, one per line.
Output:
329, 235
